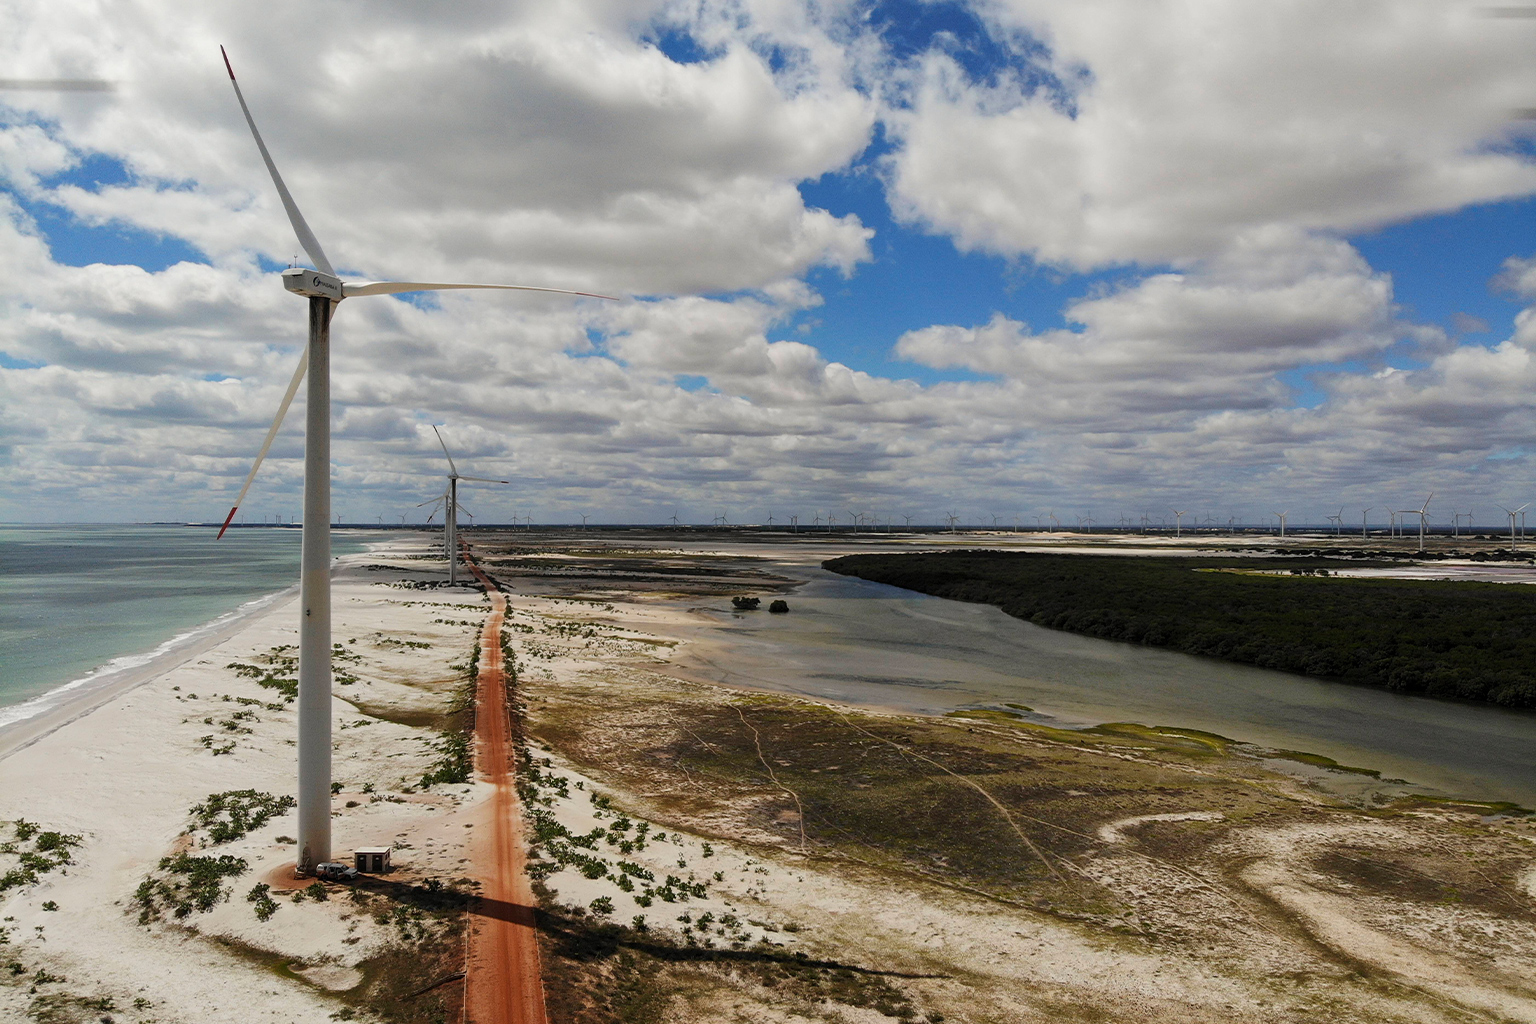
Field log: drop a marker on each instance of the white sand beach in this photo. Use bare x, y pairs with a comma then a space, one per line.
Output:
121, 769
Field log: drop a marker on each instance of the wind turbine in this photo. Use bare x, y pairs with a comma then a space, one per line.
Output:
324, 290
450, 511
1512, 513
1282, 516
1363, 526
1178, 526
1423, 517
1338, 522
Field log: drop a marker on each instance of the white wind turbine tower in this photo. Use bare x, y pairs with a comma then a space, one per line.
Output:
451, 510
324, 290
1282, 516
1363, 513
1338, 522
1423, 517
1178, 525
1512, 513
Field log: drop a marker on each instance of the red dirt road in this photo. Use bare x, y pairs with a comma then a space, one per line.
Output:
502, 980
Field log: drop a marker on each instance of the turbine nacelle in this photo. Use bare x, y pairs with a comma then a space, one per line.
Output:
314, 284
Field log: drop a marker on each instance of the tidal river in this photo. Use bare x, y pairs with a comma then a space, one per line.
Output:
866, 643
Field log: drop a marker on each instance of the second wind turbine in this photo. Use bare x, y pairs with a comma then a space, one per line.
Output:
451, 509
324, 290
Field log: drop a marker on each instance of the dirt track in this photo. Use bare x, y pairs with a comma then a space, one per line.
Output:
503, 983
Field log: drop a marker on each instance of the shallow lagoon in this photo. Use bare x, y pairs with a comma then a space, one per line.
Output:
851, 640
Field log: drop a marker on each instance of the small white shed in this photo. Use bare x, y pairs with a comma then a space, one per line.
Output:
372, 860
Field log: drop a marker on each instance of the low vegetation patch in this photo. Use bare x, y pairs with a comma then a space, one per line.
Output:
32, 852
455, 761
185, 884
232, 814
278, 670
1458, 640
598, 971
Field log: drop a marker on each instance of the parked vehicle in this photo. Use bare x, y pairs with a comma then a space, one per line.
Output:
334, 871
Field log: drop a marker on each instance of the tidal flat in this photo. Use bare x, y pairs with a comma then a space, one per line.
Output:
982, 866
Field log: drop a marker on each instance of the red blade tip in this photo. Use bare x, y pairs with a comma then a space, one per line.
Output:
226, 521
226, 64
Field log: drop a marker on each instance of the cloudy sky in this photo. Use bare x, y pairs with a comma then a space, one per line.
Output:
1002, 258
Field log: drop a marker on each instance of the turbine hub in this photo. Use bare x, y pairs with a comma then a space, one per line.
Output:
312, 283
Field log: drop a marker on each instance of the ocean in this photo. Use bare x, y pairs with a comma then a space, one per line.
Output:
79, 603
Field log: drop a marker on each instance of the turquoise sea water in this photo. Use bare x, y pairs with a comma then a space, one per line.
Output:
76, 601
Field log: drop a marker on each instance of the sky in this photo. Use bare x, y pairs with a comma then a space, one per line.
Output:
1003, 259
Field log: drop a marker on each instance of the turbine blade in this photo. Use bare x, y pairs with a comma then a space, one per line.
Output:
355, 288
282, 410
445, 451
485, 480
306, 237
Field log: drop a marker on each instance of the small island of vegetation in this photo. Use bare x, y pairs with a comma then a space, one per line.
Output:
1453, 640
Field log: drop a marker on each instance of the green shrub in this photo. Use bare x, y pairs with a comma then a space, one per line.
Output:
187, 883
230, 815
260, 896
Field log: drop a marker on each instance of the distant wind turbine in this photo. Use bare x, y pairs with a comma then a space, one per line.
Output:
1282, 516
451, 509
1363, 513
324, 290
1512, 513
1422, 513
1178, 526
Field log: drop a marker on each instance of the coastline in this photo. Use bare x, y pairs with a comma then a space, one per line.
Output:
119, 771
27, 721
70, 701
